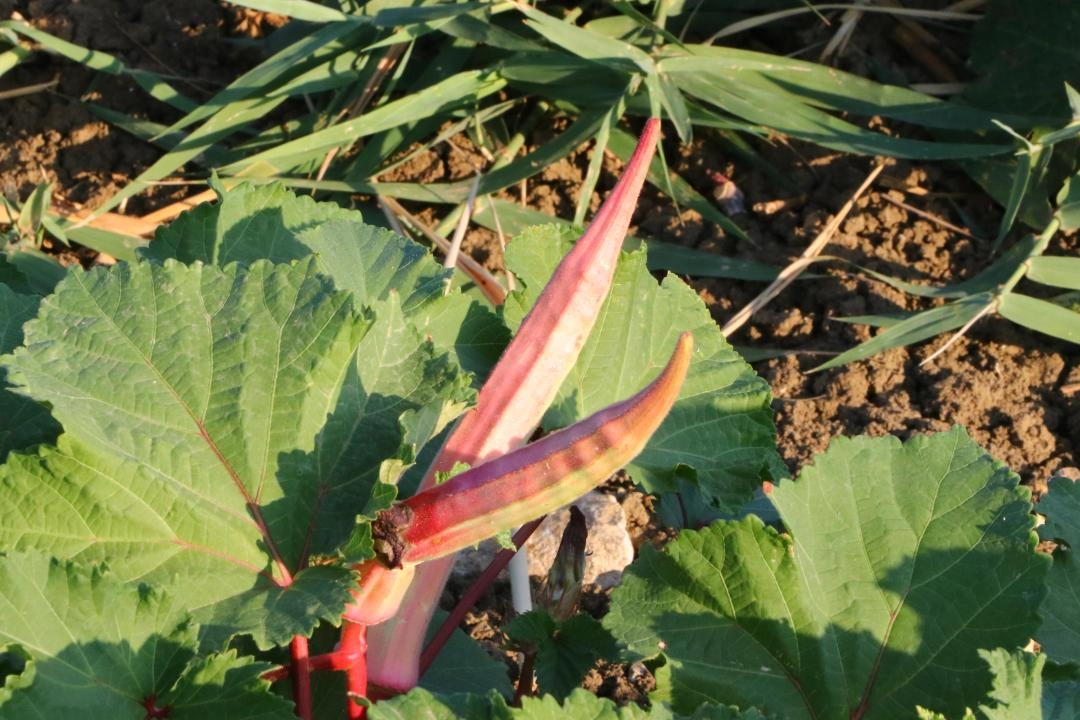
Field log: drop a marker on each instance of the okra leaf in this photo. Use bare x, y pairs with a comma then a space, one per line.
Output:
1022, 690
23, 422
247, 223
584, 705
97, 648
719, 432
1059, 635
899, 563
1018, 684
565, 650
464, 667
269, 222
221, 426
579, 705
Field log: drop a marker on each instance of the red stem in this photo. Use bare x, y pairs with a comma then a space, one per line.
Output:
301, 677
525, 679
354, 645
473, 593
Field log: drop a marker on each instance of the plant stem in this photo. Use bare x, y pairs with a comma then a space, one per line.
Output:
473, 593
301, 677
525, 679
354, 642
1041, 244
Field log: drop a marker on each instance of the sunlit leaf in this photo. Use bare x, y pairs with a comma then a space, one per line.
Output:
898, 564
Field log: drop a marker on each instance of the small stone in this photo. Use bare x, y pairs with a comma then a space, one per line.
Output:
607, 551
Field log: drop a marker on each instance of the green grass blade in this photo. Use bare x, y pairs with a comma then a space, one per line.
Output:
878, 321
1062, 272
151, 82
661, 255
121, 247
480, 30
596, 162
788, 115
1068, 200
12, 57
555, 75
296, 9
919, 327
1030, 167
453, 92
1041, 316
987, 280
673, 102
589, 45
198, 142
389, 16
823, 87
320, 45
622, 144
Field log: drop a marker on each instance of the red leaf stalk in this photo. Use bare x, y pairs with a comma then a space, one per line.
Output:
301, 677
354, 642
473, 593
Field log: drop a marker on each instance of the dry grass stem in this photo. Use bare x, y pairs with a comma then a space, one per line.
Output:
484, 280
936, 219
462, 226
959, 333
510, 284
792, 271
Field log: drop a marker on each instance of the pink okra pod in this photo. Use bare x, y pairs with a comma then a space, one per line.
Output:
528, 482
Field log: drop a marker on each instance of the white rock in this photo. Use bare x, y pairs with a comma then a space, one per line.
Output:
607, 551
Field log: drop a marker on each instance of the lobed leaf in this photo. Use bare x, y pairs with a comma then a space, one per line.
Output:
221, 426
719, 432
1059, 634
902, 562
101, 649
23, 422
565, 650
253, 222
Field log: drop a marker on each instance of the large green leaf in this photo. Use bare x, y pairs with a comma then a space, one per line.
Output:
564, 650
1022, 691
247, 223
720, 430
901, 563
1060, 631
253, 222
99, 649
579, 705
23, 422
221, 426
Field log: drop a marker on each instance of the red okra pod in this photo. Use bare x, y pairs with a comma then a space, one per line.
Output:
530, 481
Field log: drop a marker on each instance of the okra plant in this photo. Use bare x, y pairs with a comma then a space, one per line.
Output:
235, 469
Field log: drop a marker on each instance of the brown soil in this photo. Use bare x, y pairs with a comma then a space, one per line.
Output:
1015, 391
